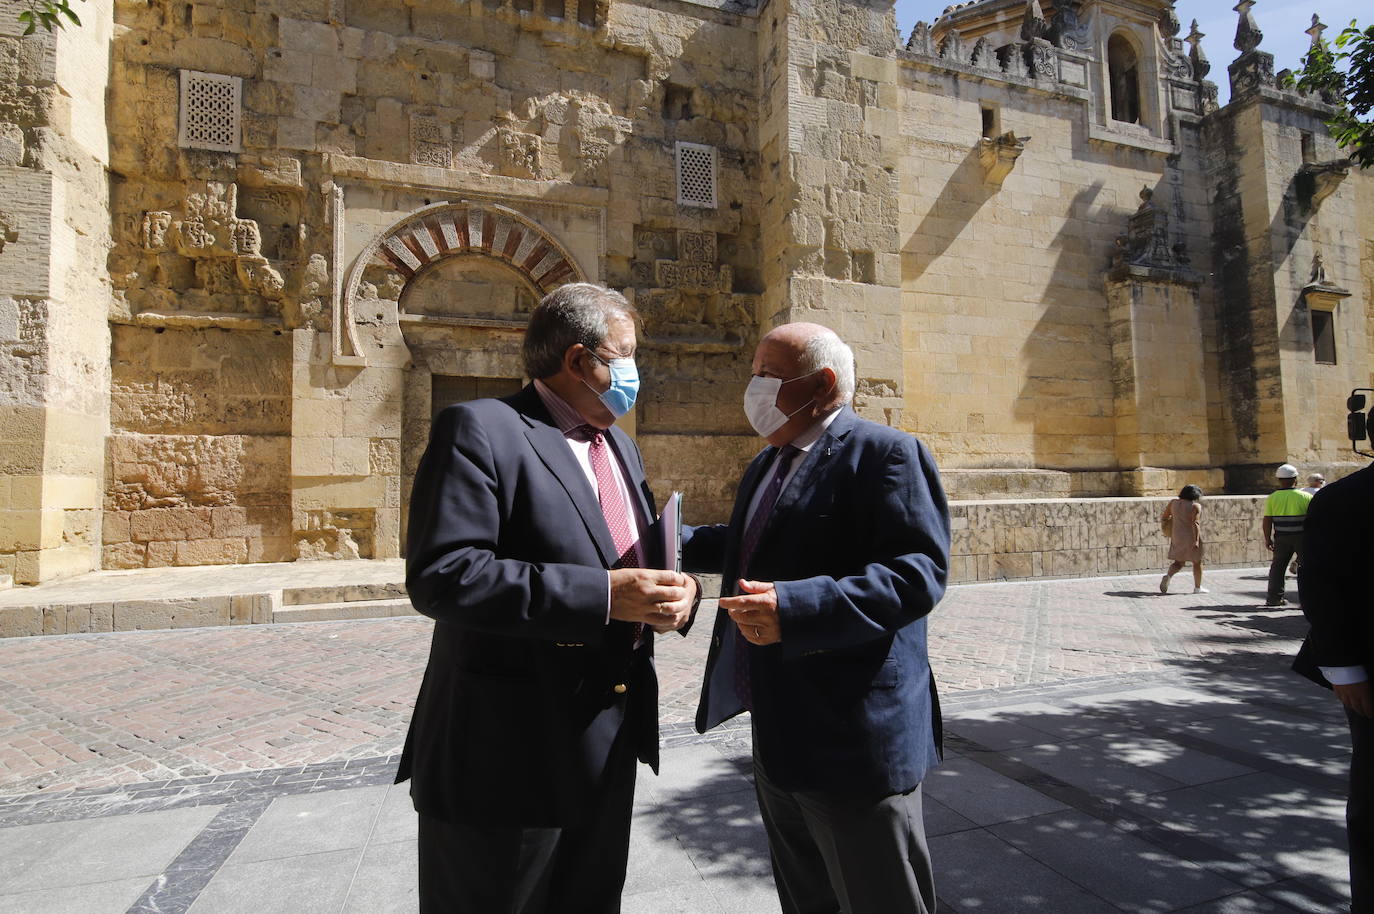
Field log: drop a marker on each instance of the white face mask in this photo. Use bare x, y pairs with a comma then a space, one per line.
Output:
761, 404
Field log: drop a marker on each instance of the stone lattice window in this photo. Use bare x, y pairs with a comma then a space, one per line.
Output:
210, 111
696, 175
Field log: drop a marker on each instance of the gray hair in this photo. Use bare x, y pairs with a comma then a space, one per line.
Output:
579, 312
827, 350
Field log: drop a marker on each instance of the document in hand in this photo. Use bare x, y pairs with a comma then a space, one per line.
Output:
670, 532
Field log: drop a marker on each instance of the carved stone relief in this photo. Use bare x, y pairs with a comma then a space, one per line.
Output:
224, 255
682, 288
429, 141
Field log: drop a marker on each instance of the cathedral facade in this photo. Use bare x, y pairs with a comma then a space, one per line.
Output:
248, 248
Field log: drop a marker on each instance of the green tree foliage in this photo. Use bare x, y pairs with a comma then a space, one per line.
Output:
48, 14
1350, 88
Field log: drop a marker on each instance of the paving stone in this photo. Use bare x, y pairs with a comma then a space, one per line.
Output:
94, 898
1130, 873
978, 872
301, 884
690, 771
396, 820
1271, 821
1243, 903
312, 824
59, 854
309, 719
1112, 766
386, 881
983, 796
940, 819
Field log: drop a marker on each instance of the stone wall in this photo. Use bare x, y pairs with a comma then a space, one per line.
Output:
1009, 353
54, 295
199, 451
357, 119
1008, 540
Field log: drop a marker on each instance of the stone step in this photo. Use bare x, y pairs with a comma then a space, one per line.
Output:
344, 609
342, 593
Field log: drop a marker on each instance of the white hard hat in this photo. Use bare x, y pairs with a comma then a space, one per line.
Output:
1286, 471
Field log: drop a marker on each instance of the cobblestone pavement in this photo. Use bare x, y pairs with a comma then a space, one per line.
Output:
89, 711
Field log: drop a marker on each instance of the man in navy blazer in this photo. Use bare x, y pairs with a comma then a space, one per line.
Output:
526, 523
836, 551
1338, 653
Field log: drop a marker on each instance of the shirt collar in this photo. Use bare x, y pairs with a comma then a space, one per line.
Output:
806, 439
564, 416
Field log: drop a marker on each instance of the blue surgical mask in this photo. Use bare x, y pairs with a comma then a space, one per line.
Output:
619, 398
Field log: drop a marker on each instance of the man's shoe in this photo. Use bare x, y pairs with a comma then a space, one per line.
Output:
1279, 602
1164, 584
1201, 590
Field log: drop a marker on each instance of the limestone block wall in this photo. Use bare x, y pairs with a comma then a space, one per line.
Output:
1004, 540
830, 140
1005, 320
198, 458
705, 471
1157, 362
1280, 403
54, 234
356, 117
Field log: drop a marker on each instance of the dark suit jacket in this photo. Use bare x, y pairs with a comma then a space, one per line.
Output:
1333, 578
507, 552
858, 546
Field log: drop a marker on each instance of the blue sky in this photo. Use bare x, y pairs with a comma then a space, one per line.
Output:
1284, 23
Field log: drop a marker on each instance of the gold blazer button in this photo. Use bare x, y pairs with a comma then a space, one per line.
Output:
620, 688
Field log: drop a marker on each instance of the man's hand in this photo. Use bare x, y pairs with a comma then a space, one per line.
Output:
662, 599
1268, 545
1358, 697
755, 611
682, 618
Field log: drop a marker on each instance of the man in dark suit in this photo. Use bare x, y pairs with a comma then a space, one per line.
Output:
1333, 585
837, 550
525, 545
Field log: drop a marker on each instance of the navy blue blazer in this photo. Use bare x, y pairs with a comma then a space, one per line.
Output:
507, 551
858, 547
1333, 577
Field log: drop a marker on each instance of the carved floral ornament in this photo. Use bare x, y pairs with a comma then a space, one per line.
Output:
442, 230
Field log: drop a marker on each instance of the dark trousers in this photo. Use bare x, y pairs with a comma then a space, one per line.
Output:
1359, 813
484, 869
1286, 545
835, 854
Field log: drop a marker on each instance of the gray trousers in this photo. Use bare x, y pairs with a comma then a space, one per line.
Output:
837, 855
1286, 545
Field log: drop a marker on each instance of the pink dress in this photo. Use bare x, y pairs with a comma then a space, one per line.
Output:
1185, 545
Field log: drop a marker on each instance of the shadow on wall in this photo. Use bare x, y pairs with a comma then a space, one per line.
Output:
963, 195
1069, 388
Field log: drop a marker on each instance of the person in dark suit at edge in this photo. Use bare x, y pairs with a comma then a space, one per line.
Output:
526, 545
836, 551
1338, 653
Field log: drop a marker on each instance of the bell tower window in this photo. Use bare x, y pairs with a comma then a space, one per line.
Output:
1123, 69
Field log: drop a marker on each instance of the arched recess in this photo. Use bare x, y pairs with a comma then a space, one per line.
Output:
442, 230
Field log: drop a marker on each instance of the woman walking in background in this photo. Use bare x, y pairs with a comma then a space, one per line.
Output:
1185, 537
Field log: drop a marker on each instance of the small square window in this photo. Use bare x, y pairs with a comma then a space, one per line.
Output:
1324, 336
989, 122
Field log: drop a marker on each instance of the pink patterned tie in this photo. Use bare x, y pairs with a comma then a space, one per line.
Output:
613, 509
752, 534
613, 506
